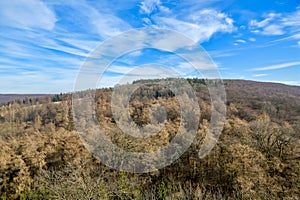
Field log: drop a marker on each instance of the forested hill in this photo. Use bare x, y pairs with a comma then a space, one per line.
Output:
256, 157
4, 98
280, 101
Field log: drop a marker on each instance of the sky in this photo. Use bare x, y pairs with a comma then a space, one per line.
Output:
44, 44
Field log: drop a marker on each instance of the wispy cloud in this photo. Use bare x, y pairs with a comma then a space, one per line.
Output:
44, 43
292, 20
221, 53
40, 42
277, 24
241, 41
27, 14
260, 75
267, 26
291, 37
263, 23
273, 30
198, 24
148, 6
278, 66
102, 20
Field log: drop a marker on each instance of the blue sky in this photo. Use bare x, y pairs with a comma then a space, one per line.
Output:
43, 44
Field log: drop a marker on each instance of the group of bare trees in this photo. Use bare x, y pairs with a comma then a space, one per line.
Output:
43, 157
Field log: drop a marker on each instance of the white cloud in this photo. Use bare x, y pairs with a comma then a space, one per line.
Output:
252, 39
260, 75
47, 55
120, 69
109, 25
36, 48
277, 24
86, 45
261, 24
273, 30
268, 26
149, 6
292, 37
102, 20
49, 80
27, 14
65, 49
255, 31
279, 66
147, 21
193, 65
240, 41
220, 53
292, 19
169, 41
199, 26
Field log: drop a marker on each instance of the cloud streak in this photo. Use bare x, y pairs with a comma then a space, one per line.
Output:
27, 14
44, 43
260, 75
277, 24
200, 26
279, 66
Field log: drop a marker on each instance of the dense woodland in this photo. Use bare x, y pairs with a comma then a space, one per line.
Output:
257, 155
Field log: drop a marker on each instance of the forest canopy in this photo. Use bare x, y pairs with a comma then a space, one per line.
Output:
257, 155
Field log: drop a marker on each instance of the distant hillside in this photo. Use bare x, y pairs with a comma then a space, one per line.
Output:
4, 98
281, 102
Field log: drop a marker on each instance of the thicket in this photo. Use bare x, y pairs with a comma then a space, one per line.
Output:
257, 155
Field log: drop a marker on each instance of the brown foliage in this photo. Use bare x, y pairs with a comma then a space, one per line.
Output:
257, 156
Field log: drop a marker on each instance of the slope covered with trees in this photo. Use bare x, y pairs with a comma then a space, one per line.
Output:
256, 157
24, 98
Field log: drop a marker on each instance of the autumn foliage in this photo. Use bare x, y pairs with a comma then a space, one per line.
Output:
256, 157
